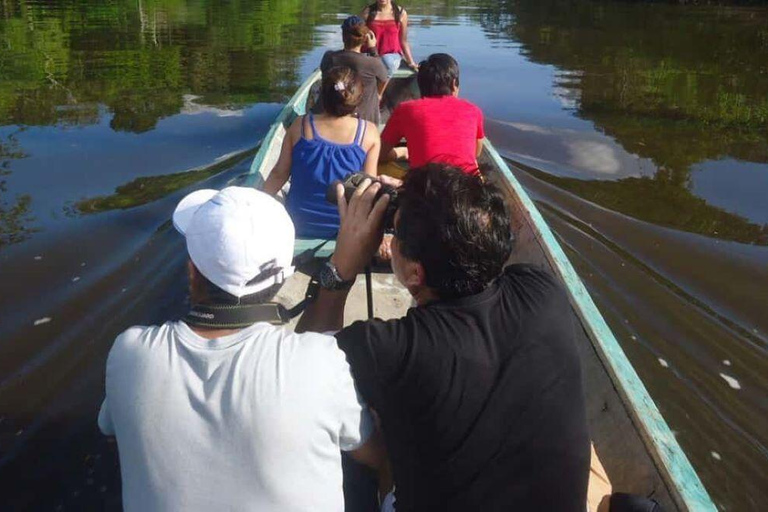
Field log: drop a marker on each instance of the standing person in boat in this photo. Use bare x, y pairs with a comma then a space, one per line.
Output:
440, 126
479, 386
389, 23
224, 410
319, 149
371, 70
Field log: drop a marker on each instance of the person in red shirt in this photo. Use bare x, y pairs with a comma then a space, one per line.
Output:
439, 127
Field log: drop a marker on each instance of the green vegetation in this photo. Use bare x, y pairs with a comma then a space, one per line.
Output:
15, 215
662, 201
60, 61
145, 190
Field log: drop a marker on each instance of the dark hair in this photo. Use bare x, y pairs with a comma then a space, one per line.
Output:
456, 225
209, 293
374, 8
341, 91
437, 75
353, 34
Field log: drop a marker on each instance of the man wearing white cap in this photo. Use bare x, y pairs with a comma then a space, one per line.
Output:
223, 410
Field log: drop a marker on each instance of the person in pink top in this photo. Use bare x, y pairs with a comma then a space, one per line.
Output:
389, 23
439, 127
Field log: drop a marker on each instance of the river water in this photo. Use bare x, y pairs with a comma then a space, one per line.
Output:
641, 129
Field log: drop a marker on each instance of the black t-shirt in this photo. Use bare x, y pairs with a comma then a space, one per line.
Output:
371, 71
480, 398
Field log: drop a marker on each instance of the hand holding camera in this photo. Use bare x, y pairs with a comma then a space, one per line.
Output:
365, 206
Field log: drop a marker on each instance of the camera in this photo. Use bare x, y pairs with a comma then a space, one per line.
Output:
354, 180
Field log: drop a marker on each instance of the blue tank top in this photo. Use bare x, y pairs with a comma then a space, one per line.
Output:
315, 164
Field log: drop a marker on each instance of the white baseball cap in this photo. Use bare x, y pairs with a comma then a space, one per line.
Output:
240, 239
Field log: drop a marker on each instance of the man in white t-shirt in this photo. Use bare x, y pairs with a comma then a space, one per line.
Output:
224, 410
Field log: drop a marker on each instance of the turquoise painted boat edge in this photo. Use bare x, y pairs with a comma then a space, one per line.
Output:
305, 244
685, 485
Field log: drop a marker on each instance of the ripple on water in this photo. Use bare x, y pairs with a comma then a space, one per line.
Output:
731, 381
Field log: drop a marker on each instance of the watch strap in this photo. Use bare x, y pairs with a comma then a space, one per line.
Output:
333, 280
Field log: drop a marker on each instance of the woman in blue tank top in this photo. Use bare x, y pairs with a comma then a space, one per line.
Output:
317, 150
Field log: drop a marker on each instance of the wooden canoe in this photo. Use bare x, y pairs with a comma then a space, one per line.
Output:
633, 442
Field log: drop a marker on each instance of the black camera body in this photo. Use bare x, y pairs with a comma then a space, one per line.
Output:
354, 180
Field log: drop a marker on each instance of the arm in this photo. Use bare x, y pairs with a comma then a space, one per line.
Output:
105, 419
282, 169
325, 313
388, 152
372, 146
381, 87
359, 238
404, 41
374, 455
382, 79
480, 132
391, 136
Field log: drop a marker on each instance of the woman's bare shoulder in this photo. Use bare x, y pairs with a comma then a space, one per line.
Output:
371, 135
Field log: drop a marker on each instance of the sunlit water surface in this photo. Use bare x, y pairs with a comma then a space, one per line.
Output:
641, 130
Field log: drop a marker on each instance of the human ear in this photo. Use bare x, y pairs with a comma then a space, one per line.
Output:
415, 276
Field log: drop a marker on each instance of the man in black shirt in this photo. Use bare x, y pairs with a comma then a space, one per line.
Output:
479, 386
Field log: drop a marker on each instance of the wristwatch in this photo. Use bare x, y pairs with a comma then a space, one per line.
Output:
330, 279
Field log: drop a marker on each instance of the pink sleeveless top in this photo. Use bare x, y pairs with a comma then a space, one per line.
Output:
387, 36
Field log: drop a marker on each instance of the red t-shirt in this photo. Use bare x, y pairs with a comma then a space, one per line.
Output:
437, 129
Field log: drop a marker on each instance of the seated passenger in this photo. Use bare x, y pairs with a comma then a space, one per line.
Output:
319, 149
479, 386
370, 69
389, 22
222, 410
439, 127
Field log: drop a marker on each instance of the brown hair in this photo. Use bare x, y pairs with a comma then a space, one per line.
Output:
374, 8
341, 91
355, 35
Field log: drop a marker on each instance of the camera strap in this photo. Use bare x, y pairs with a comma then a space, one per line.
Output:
234, 316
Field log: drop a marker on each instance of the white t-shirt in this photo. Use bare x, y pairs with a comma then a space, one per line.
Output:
252, 421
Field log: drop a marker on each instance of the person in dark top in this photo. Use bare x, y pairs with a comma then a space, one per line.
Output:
479, 386
370, 69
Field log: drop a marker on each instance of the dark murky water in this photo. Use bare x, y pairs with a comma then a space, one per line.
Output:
642, 130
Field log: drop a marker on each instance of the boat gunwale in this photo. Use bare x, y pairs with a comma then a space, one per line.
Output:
681, 478
670, 460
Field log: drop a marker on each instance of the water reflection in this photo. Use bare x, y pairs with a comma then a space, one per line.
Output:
676, 86
15, 215
145, 190
61, 61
